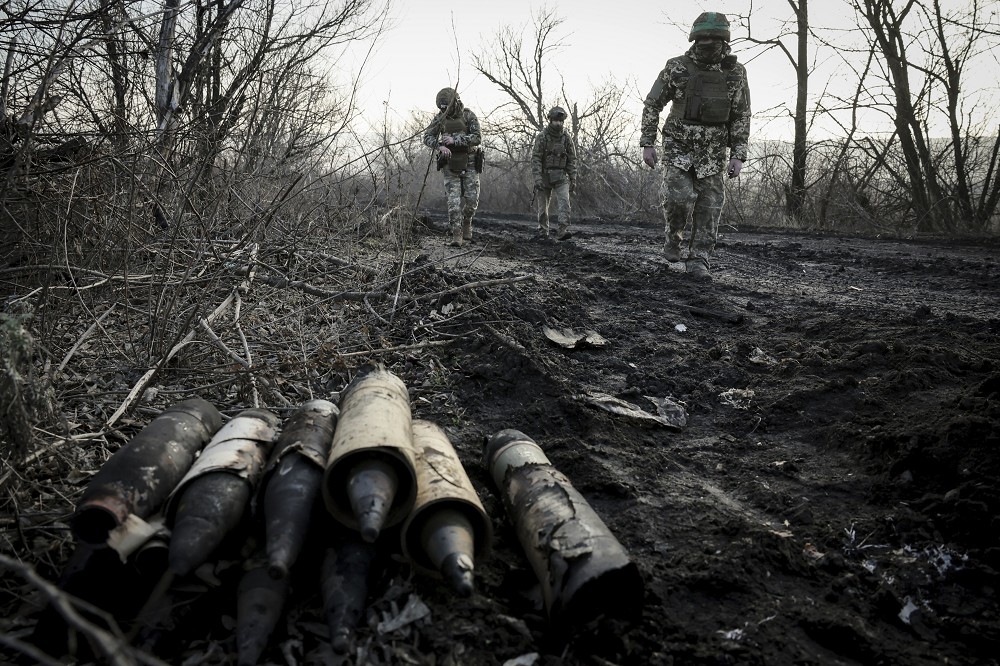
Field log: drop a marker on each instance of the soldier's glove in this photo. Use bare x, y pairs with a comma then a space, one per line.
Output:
448, 140
735, 166
444, 151
649, 156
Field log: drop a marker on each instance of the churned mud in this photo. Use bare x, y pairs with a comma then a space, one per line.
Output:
830, 498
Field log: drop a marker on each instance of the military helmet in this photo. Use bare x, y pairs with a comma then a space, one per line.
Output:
710, 24
445, 97
557, 113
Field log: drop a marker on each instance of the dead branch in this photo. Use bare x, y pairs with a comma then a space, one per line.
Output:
313, 290
400, 348
473, 285
143, 382
110, 645
83, 338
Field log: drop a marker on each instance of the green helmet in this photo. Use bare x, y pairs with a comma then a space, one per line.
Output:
710, 24
445, 97
557, 113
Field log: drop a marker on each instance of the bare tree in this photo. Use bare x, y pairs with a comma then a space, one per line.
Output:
522, 75
926, 53
795, 192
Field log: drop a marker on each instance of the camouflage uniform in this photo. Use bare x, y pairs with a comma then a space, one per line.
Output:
461, 180
553, 167
694, 153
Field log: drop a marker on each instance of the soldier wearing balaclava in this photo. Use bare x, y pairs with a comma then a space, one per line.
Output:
455, 136
553, 168
705, 136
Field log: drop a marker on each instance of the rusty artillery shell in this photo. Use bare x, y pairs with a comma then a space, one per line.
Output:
583, 570
448, 529
370, 481
140, 476
346, 572
212, 499
259, 604
292, 481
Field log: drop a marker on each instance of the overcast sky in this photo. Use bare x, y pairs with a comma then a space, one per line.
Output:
431, 43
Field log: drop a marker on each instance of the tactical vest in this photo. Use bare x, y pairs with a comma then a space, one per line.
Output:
459, 154
706, 97
555, 158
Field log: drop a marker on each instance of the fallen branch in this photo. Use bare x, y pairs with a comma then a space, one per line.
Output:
80, 341
144, 381
473, 285
112, 646
401, 348
313, 290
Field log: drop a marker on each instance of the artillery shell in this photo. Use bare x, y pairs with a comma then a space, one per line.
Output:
583, 570
260, 601
371, 489
213, 497
140, 476
370, 482
293, 481
448, 528
446, 539
212, 505
346, 572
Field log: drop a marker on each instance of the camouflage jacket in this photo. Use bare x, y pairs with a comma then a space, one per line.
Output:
689, 145
553, 158
471, 138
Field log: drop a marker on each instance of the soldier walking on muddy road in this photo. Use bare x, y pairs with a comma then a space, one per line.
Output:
455, 135
553, 166
709, 112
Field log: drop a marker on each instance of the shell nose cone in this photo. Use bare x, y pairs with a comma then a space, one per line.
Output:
372, 488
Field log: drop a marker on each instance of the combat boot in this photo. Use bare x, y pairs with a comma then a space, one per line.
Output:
672, 252
456, 238
564, 233
467, 230
698, 268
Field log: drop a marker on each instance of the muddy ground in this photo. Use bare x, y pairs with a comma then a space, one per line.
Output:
831, 499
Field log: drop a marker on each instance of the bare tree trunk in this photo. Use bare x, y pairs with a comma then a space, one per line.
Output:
119, 71
796, 193
886, 23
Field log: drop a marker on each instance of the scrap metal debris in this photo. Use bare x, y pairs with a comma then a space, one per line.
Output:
571, 339
669, 413
737, 398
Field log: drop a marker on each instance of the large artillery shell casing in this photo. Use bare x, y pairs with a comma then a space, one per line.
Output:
583, 569
448, 529
140, 476
212, 499
370, 481
293, 479
259, 605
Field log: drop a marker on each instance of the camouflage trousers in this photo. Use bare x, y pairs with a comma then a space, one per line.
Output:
462, 191
699, 200
545, 195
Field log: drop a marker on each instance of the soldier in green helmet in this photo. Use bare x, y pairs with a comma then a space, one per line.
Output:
553, 167
705, 136
455, 136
